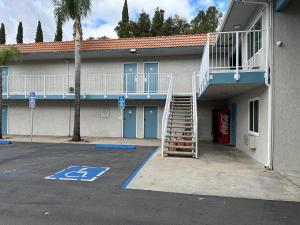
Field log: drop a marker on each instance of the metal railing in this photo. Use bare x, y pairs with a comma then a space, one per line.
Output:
91, 84
233, 51
195, 115
166, 114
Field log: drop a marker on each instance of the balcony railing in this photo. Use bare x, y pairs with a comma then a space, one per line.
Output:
236, 52
91, 84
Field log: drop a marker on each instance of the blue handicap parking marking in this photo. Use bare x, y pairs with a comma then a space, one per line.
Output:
79, 173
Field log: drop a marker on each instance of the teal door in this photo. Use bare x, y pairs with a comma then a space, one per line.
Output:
129, 125
233, 124
4, 119
130, 77
4, 79
151, 77
150, 122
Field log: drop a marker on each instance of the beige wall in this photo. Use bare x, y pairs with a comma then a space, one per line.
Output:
56, 118
286, 81
182, 68
260, 153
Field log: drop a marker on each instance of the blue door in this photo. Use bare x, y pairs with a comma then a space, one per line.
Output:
129, 125
4, 119
151, 77
150, 122
233, 124
130, 77
4, 79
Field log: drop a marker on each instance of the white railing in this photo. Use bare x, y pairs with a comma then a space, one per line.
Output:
195, 115
103, 84
166, 114
233, 51
240, 50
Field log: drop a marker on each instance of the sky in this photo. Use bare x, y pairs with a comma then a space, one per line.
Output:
104, 16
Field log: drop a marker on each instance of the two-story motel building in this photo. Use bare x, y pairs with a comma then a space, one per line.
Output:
250, 67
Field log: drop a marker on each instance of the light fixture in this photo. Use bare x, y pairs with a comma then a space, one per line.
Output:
133, 50
237, 26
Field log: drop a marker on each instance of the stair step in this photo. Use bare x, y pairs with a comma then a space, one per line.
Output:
180, 141
184, 131
179, 153
179, 136
182, 115
180, 119
180, 122
177, 126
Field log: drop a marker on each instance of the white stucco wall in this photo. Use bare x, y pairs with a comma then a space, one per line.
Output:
286, 81
55, 118
242, 128
182, 68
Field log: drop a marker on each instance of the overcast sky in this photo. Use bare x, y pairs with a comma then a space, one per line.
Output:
103, 19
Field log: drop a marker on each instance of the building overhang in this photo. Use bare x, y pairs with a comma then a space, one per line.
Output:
122, 53
239, 13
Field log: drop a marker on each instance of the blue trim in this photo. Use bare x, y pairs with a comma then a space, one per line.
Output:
129, 147
280, 5
245, 78
5, 142
132, 176
90, 97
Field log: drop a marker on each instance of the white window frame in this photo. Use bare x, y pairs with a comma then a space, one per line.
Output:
249, 101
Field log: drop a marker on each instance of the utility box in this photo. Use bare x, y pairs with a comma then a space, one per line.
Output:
252, 142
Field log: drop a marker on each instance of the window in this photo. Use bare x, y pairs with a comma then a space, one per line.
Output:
255, 38
254, 116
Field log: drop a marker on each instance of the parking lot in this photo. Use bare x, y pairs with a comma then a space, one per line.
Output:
84, 186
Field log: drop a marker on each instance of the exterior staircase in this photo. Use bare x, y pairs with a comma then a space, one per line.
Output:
179, 137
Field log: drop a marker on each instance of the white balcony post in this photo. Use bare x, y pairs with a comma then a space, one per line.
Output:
44, 86
237, 76
25, 87
63, 77
106, 84
7, 85
126, 85
148, 84
208, 56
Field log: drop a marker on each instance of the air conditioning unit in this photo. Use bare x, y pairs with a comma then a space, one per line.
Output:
252, 143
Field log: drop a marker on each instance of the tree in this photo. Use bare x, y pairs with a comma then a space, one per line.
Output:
6, 55
181, 25
75, 10
168, 27
206, 22
144, 25
2, 35
124, 27
39, 33
59, 31
20, 34
158, 22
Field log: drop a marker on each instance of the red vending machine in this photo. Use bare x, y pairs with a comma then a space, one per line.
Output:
224, 126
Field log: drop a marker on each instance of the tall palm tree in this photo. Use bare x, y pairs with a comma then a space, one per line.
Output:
6, 55
74, 10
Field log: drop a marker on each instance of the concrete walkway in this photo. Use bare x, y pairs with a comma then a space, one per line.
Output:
87, 140
219, 171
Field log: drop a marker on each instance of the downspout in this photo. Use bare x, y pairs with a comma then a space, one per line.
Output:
268, 76
269, 83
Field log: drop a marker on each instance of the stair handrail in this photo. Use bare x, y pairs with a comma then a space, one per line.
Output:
195, 116
166, 114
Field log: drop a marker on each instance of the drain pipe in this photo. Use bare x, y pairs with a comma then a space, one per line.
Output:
269, 83
268, 75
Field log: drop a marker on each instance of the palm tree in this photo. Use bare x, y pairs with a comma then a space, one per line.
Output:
74, 10
6, 55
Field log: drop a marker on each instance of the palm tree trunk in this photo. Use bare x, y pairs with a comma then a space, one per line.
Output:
1, 103
76, 131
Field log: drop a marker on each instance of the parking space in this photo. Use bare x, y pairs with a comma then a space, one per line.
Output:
80, 184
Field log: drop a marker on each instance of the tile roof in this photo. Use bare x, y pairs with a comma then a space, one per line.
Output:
116, 44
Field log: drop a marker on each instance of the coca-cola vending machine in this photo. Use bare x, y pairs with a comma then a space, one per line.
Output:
224, 126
